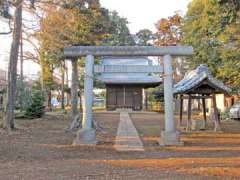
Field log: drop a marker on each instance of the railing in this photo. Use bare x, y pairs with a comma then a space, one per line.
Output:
127, 69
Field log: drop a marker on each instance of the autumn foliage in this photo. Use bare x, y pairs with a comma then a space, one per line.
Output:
169, 31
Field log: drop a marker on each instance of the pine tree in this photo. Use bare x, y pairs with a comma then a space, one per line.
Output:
36, 107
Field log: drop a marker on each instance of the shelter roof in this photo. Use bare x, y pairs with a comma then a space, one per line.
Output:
200, 77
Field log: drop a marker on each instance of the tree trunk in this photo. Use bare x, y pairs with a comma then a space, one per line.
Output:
81, 101
21, 72
49, 100
12, 68
41, 59
62, 85
74, 90
67, 80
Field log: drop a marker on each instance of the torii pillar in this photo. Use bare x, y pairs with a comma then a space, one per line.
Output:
170, 136
87, 135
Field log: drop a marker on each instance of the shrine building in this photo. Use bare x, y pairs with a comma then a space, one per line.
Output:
126, 78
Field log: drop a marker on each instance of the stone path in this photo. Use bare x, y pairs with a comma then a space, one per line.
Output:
127, 136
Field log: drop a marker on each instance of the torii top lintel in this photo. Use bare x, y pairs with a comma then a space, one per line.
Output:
77, 51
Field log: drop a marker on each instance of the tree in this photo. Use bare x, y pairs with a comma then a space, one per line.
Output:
119, 34
4, 12
200, 31
69, 23
212, 28
12, 68
23, 92
169, 30
16, 31
230, 38
144, 37
35, 108
169, 33
4, 9
63, 67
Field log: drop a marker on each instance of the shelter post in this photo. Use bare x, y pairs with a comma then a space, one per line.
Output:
204, 111
189, 120
215, 114
181, 110
170, 136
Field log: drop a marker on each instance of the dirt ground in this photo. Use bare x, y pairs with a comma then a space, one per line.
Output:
41, 149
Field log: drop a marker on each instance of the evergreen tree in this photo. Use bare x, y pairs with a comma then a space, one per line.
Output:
144, 37
119, 34
36, 107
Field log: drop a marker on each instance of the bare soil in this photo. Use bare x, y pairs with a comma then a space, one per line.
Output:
41, 149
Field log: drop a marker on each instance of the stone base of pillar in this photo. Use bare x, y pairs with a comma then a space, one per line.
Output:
85, 137
170, 139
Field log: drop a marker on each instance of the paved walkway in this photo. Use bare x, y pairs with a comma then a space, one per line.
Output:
127, 136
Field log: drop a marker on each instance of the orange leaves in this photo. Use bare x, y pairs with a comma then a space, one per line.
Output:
163, 25
169, 30
62, 27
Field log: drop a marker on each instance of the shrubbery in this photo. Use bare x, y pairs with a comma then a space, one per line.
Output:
225, 114
36, 108
23, 95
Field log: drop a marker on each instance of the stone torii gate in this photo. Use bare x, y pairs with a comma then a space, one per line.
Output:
86, 135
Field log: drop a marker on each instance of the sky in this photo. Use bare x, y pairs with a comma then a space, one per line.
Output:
141, 14
145, 13
30, 69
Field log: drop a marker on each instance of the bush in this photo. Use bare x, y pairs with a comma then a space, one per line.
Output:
36, 107
23, 95
225, 114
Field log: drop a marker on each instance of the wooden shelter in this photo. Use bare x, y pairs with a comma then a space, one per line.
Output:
200, 84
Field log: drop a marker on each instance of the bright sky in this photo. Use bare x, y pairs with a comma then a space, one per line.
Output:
141, 14
145, 13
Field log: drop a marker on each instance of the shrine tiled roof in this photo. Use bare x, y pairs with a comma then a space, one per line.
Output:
131, 80
126, 77
195, 77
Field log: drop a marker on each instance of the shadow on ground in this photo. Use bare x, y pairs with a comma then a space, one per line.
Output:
41, 149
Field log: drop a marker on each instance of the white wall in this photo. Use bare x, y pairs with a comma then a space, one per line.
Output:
219, 101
